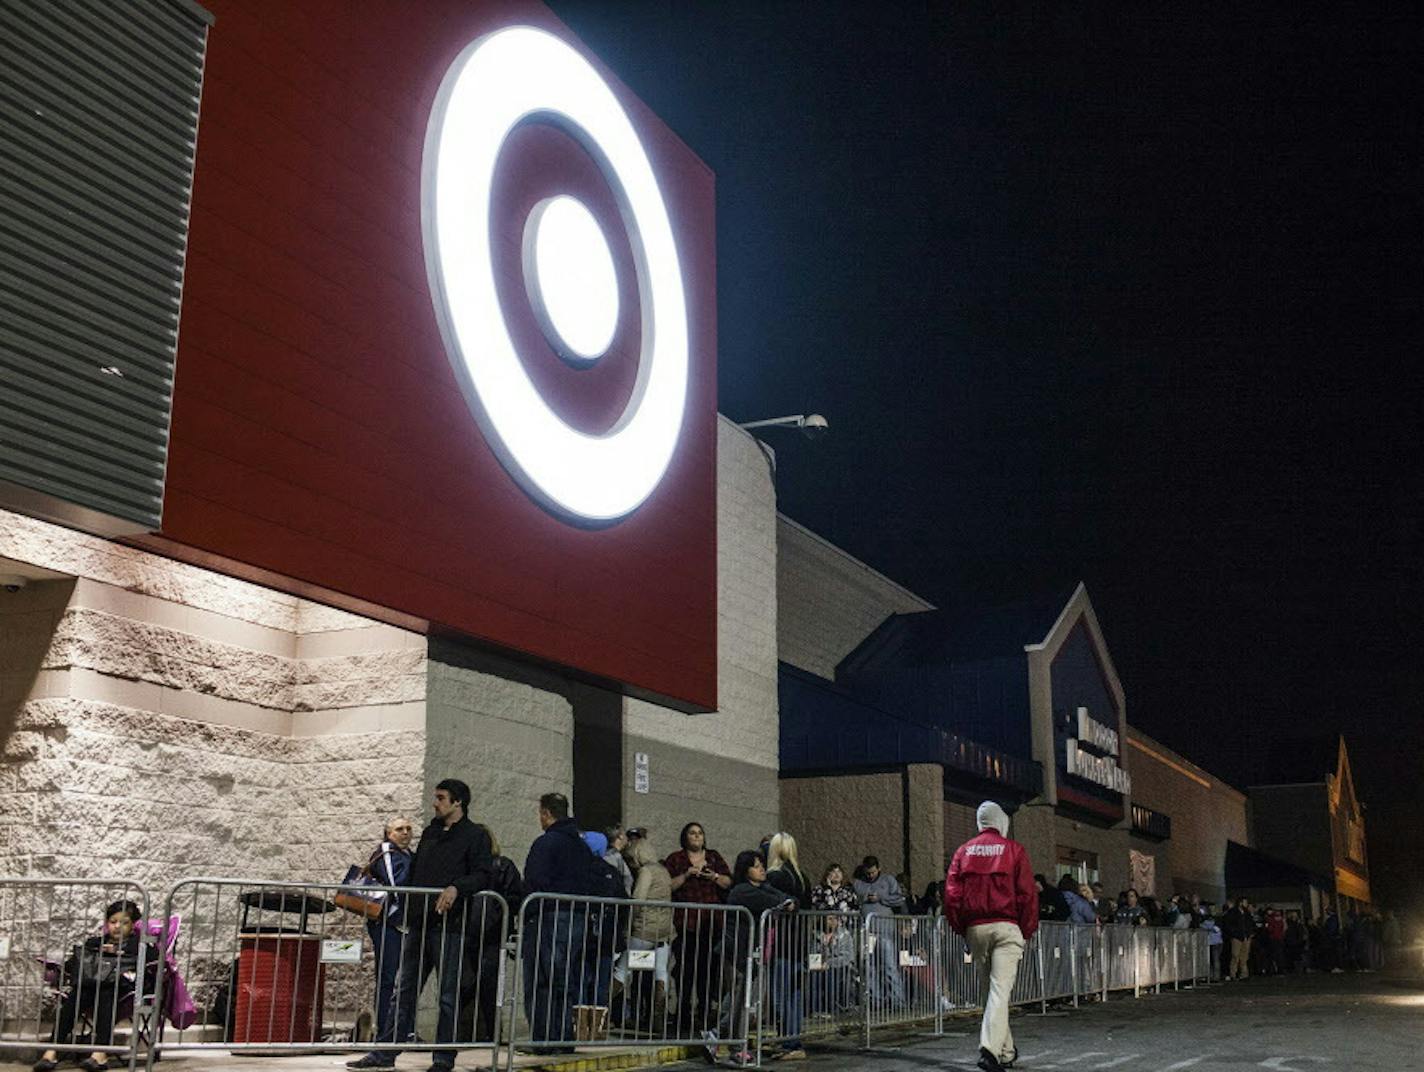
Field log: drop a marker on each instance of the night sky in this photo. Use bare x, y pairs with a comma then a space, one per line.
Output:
1127, 295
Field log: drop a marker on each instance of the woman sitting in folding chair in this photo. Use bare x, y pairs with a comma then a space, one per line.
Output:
100, 978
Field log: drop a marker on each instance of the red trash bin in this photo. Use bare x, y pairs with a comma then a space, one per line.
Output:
280, 988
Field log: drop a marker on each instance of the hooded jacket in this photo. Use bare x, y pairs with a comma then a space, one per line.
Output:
989, 880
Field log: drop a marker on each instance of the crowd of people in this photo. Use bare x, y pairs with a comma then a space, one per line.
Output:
1244, 939
636, 958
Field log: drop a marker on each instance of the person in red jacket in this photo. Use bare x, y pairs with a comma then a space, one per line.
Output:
991, 900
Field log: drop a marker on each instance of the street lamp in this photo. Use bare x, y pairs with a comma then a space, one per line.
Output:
812, 425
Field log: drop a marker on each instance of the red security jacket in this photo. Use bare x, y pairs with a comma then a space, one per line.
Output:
989, 881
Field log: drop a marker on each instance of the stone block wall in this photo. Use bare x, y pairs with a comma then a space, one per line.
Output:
162, 721
720, 769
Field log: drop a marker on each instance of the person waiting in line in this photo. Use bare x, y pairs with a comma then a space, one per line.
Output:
699, 877
1106, 906
603, 932
389, 865
834, 985
1080, 909
834, 894
1294, 943
614, 856
1237, 927
880, 897
101, 976
1130, 912
651, 932
990, 900
792, 944
1052, 907
1207, 922
454, 855
558, 863
751, 891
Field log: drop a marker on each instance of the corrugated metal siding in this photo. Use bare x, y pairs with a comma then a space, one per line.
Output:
99, 113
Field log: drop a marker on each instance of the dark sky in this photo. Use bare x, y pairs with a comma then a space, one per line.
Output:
1130, 295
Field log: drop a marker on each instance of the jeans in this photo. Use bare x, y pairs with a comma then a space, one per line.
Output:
386, 941
428, 947
786, 1000
553, 973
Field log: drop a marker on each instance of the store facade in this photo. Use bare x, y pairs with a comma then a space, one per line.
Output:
351, 498
935, 710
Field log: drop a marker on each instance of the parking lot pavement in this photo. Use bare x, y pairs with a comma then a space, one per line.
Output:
1310, 1023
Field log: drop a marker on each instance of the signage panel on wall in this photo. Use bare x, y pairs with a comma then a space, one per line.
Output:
448, 349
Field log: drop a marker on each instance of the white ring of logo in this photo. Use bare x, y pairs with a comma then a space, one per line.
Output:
497, 81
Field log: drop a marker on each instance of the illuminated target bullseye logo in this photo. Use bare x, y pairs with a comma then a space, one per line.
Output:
498, 81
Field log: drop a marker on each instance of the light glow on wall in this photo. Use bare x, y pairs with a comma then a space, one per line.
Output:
496, 82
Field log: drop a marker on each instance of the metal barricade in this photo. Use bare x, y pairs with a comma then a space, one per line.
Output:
289, 966
1028, 986
70, 968
834, 949
1120, 957
960, 977
600, 972
1057, 946
901, 969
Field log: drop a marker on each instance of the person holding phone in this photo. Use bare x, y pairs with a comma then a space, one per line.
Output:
700, 876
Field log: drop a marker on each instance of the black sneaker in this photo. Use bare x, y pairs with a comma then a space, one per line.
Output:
372, 1060
988, 1062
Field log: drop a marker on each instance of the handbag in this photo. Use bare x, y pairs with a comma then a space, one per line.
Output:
366, 905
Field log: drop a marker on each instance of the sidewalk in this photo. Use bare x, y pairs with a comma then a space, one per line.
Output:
588, 1059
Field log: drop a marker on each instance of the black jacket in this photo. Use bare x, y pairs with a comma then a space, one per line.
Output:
756, 899
460, 856
560, 862
792, 884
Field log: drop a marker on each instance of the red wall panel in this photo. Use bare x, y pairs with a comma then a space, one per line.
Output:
320, 440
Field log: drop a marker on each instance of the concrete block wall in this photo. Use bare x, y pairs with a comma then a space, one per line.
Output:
510, 740
827, 600
720, 769
1205, 812
843, 818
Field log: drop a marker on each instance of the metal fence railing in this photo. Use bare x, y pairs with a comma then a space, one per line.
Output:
245, 966
291, 966
601, 972
78, 958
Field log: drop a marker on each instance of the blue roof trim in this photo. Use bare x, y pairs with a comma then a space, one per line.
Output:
826, 728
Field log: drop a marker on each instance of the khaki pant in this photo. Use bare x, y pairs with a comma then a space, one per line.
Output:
997, 949
1240, 959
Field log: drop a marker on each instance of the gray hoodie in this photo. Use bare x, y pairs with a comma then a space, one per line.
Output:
888, 895
991, 815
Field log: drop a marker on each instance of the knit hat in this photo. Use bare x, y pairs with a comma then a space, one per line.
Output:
991, 815
596, 842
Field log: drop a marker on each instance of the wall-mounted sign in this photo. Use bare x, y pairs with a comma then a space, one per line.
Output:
449, 343
1094, 733
1100, 769
492, 86
640, 772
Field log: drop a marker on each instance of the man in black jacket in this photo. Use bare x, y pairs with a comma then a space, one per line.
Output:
555, 955
454, 856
